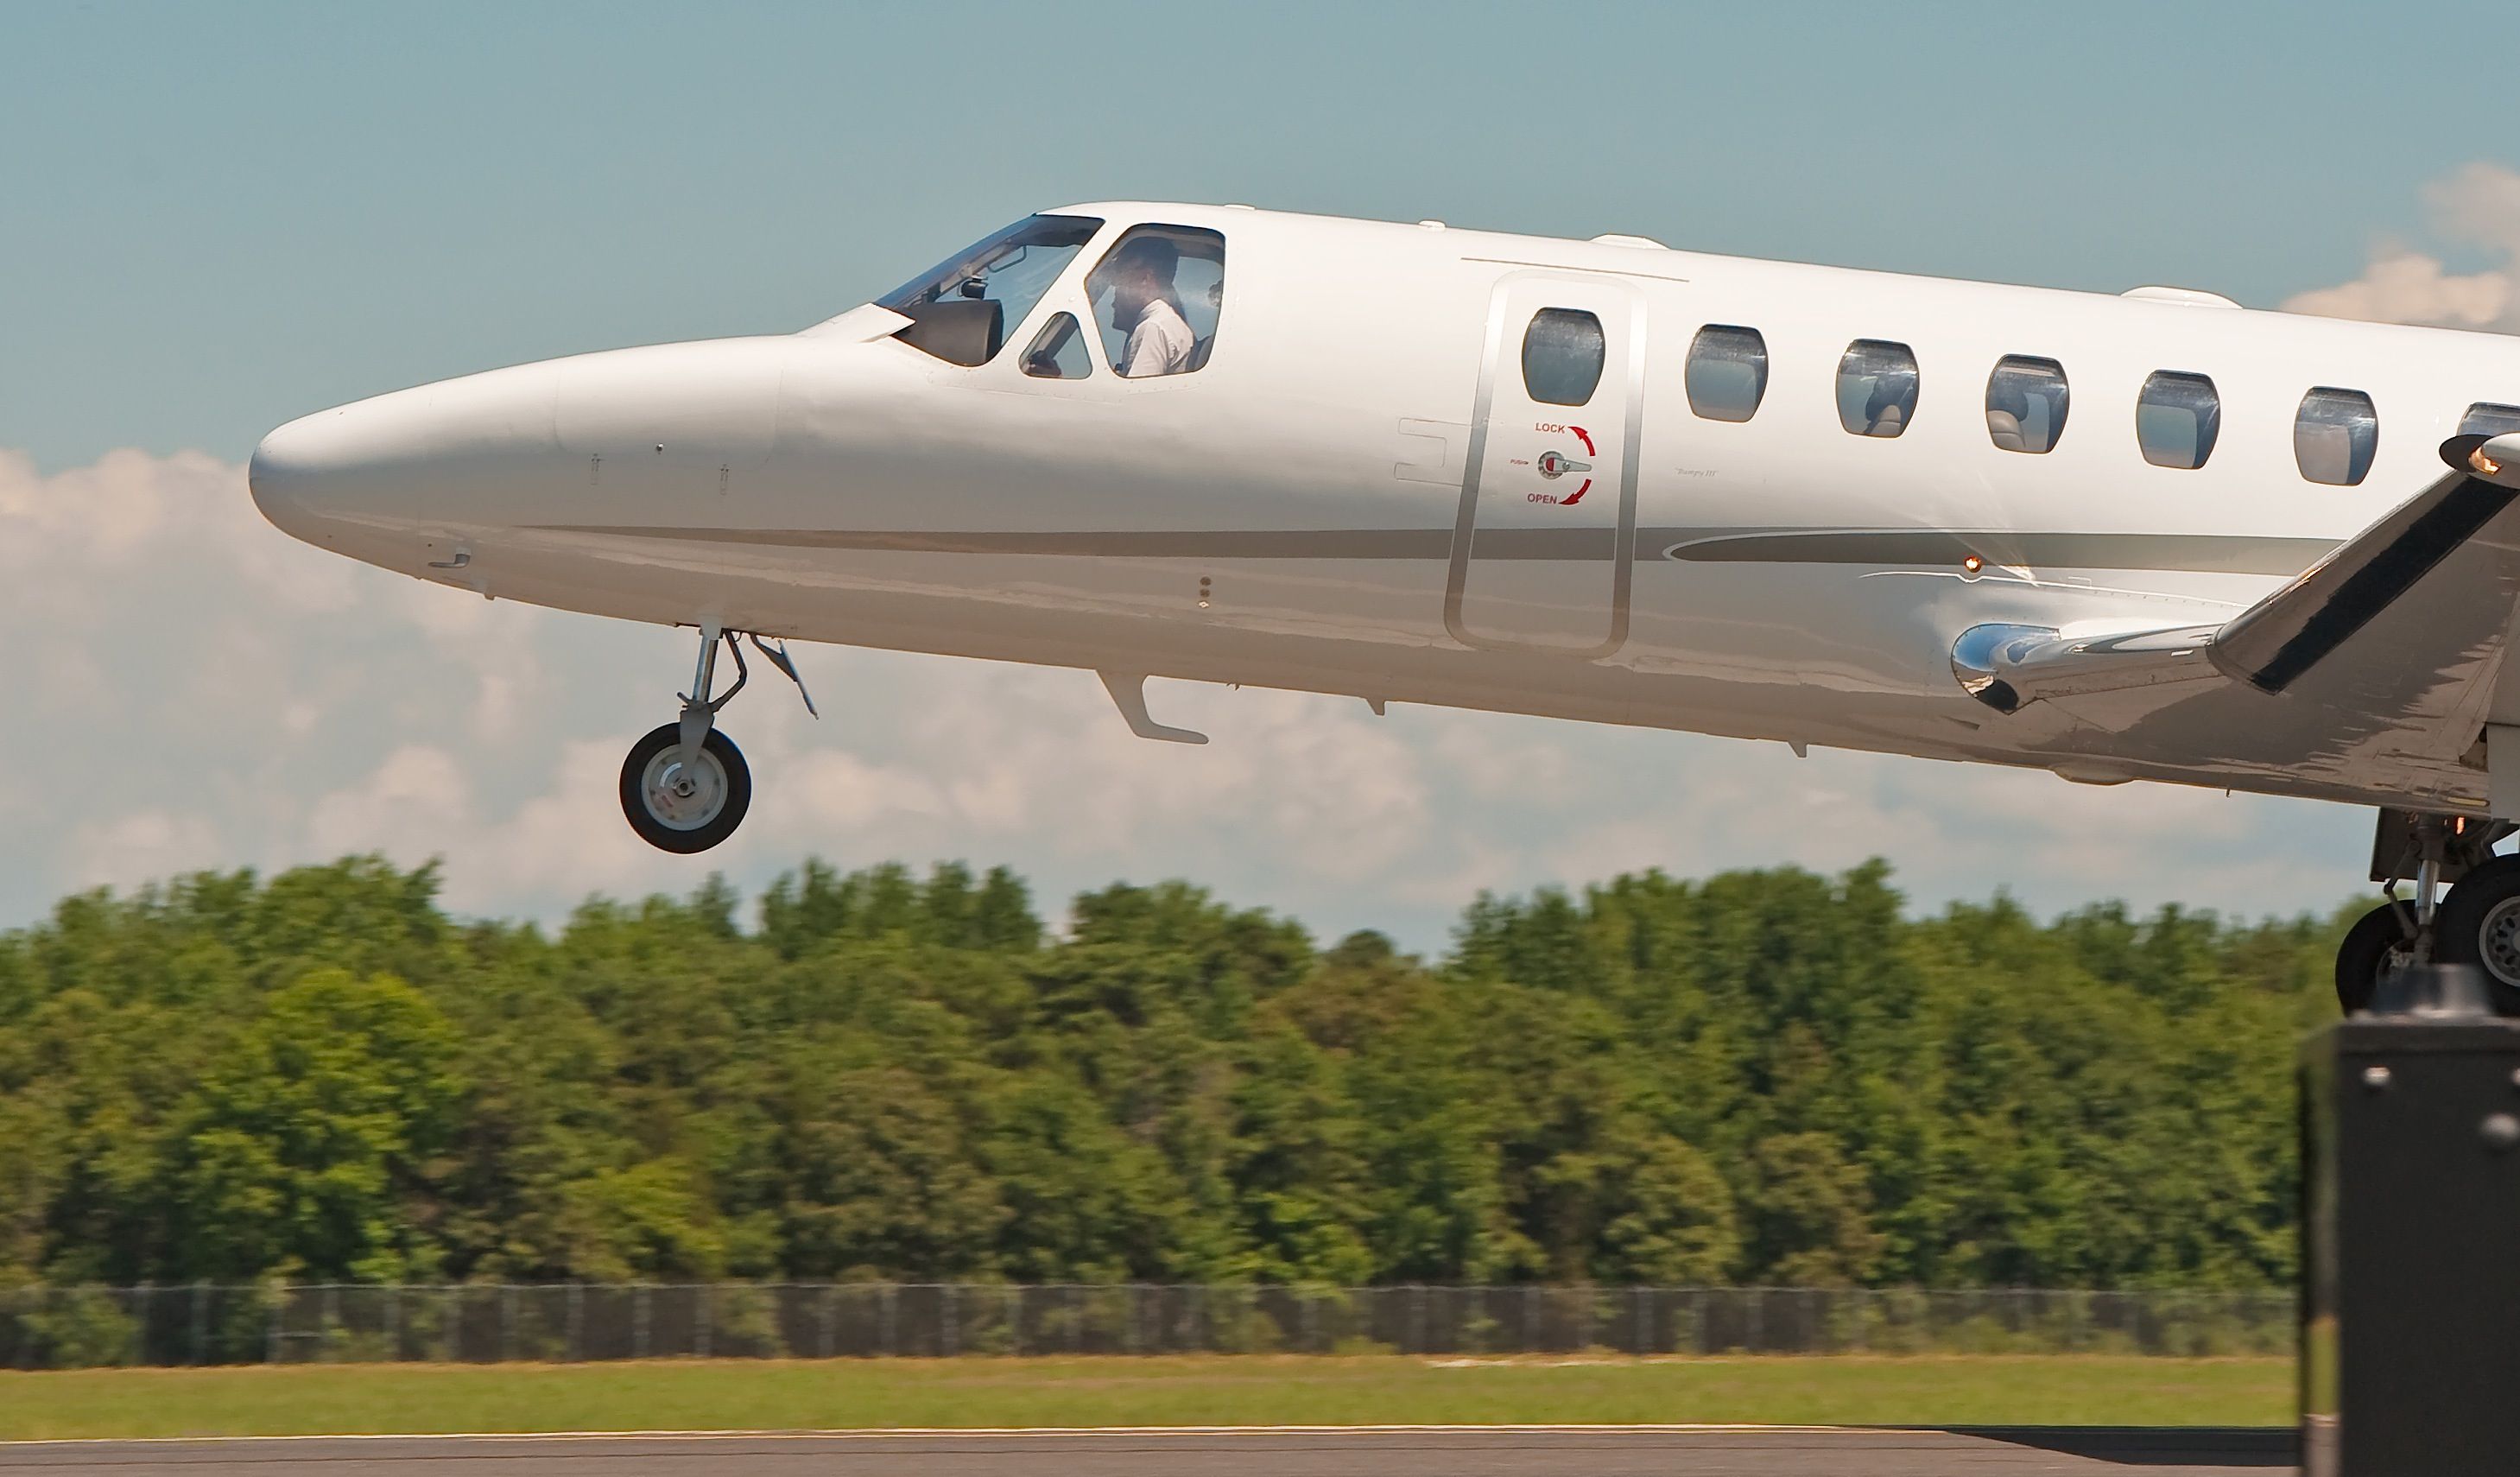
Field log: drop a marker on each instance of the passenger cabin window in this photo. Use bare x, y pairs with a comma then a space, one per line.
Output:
2177, 419
1058, 351
2335, 437
961, 310
1157, 294
1877, 388
2025, 404
2485, 418
1727, 373
1563, 353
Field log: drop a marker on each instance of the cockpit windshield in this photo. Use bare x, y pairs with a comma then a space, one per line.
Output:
962, 310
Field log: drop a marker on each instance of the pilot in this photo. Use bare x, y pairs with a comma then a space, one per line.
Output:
1145, 306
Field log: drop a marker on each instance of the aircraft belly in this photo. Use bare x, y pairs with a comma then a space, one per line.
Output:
1366, 627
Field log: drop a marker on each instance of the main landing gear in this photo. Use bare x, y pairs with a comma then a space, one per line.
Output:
685, 787
2478, 922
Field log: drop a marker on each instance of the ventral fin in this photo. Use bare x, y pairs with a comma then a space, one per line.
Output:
1128, 691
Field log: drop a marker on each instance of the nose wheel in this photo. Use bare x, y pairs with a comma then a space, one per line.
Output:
685, 805
685, 787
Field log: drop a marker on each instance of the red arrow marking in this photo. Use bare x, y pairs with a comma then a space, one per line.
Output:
1588, 447
1579, 492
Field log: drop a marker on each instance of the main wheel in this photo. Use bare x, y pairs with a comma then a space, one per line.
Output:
2479, 923
2377, 943
685, 809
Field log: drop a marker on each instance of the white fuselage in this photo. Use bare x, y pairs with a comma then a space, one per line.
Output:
1349, 495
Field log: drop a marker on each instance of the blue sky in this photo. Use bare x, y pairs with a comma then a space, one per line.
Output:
213, 218
220, 216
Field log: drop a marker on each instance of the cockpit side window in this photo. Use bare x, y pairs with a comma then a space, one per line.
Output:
1157, 294
961, 310
1058, 351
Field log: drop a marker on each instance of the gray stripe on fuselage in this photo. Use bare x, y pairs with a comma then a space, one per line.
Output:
2196, 552
1586, 543
2215, 553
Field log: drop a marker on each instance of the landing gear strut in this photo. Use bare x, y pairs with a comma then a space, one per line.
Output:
2477, 923
685, 787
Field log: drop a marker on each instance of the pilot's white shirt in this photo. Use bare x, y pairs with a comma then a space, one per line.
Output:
1160, 343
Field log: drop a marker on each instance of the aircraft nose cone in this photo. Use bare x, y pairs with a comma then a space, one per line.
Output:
356, 479
332, 477
285, 468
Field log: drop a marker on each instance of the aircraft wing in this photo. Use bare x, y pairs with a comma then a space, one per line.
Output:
2398, 631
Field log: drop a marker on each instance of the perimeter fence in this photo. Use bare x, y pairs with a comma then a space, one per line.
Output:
64, 1327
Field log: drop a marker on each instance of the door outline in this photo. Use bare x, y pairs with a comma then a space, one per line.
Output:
1632, 435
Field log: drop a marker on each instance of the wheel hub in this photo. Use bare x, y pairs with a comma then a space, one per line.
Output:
681, 796
2497, 941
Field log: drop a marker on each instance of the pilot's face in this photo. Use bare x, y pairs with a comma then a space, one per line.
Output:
1134, 284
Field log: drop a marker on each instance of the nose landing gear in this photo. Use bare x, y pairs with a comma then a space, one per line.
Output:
2478, 922
685, 787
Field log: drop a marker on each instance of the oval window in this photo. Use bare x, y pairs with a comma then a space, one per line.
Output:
2335, 437
2485, 419
1877, 388
2025, 404
1727, 373
1563, 353
2177, 419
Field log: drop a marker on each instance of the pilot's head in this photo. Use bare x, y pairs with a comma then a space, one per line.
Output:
1138, 274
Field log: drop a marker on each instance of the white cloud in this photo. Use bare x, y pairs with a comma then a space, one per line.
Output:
2478, 207
418, 798
2479, 203
213, 694
139, 846
2403, 286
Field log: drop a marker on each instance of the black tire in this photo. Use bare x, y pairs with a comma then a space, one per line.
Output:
695, 829
2365, 955
2479, 923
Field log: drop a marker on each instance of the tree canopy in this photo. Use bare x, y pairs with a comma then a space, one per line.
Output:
1762, 1077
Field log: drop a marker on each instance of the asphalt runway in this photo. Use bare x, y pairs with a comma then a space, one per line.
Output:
1456, 1452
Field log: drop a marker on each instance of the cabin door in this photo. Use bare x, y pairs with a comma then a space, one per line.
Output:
1543, 548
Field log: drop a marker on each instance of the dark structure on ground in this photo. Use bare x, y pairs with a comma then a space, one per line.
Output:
2411, 1266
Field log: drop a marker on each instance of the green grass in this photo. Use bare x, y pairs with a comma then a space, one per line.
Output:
1255, 1390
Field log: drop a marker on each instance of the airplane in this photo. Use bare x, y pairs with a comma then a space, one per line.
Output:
2152, 536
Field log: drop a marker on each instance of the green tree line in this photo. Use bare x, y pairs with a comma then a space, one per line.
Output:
1766, 1076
